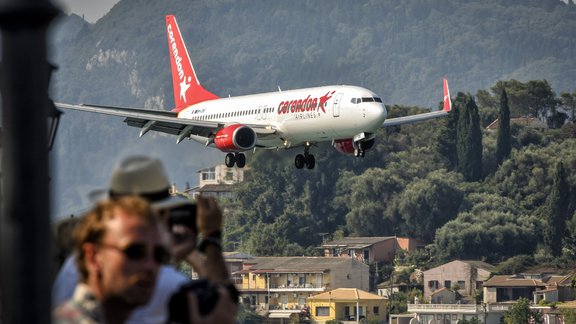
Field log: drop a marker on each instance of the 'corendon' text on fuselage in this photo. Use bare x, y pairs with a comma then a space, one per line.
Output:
177, 57
303, 105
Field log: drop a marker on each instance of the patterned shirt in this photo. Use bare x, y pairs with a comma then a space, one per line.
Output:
83, 308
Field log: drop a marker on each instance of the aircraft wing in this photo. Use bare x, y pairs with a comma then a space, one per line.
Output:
162, 121
414, 118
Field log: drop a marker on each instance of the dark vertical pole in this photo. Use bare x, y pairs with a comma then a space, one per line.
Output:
25, 264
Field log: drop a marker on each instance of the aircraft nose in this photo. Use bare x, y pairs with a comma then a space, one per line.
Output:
377, 112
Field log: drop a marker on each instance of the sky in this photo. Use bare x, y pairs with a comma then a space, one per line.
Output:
91, 9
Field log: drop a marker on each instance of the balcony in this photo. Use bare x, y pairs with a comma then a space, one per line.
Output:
456, 308
298, 288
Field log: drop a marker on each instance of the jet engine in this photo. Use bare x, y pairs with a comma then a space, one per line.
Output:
235, 138
348, 146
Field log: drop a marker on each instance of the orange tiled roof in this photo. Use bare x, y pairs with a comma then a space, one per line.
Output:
346, 294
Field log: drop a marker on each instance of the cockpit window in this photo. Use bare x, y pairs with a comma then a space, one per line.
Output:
366, 99
371, 99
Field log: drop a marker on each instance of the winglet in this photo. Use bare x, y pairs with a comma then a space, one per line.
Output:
446, 99
187, 88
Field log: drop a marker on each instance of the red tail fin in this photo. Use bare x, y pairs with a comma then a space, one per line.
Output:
447, 101
187, 88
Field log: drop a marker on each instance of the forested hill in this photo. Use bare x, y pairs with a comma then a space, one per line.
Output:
399, 49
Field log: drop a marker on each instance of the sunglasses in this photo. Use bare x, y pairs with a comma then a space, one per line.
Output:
140, 251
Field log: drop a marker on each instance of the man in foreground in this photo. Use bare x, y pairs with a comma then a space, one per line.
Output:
145, 177
119, 253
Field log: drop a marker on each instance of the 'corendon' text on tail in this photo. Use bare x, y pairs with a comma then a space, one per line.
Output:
187, 88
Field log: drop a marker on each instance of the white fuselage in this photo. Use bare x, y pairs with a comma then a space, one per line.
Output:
305, 115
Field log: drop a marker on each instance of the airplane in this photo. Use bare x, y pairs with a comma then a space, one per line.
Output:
347, 116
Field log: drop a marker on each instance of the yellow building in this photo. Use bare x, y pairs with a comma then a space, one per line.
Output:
347, 304
281, 285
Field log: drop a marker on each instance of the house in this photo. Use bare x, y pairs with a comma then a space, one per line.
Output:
486, 313
529, 122
444, 296
347, 304
464, 277
535, 287
217, 181
394, 285
234, 262
284, 283
369, 249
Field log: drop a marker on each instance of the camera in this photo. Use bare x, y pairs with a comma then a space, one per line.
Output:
182, 216
207, 294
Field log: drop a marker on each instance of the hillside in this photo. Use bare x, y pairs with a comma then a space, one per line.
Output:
399, 49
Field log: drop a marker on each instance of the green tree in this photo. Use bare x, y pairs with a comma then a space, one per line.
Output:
569, 315
364, 198
556, 211
492, 228
503, 143
520, 313
428, 203
469, 144
534, 98
446, 140
569, 101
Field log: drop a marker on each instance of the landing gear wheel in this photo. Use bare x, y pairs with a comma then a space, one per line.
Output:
240, 160
359, 152
310, 161
229, 160
299, 161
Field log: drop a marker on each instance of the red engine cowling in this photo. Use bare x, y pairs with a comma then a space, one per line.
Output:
235, 138
345, 146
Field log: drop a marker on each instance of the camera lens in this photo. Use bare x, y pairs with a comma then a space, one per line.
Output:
183, 215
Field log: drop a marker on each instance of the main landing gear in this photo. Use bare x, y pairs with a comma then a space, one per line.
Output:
235, 158
305, 159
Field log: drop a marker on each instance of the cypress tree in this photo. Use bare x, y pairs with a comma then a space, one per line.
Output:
556, 211
503, 143
461, 129
447, 137
469, 140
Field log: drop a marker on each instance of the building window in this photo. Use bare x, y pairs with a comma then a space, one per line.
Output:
229, 176
322, 311
433, 284
366, 255
209, 174
376, 310
447, 283
461, 284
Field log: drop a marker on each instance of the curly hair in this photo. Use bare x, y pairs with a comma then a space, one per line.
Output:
93, 226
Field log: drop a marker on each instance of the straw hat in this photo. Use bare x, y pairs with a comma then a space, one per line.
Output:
144, 176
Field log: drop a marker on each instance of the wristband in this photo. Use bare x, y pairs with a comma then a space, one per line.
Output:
210, 240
